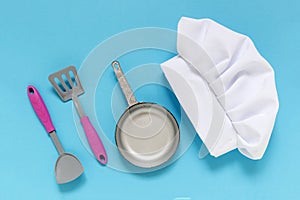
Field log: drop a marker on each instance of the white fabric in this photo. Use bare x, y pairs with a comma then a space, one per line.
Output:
225, 86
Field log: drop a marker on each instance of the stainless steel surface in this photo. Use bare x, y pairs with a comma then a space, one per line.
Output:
78, 107
66, 83
67, 166
130, 98
56, 143
147, 134
68, 86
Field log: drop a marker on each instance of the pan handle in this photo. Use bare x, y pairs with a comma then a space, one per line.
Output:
130, 98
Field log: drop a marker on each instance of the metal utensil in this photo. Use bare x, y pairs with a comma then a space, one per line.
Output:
147, 134
67, 167
69, 87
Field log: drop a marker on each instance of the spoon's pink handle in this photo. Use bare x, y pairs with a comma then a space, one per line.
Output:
40, 108
94, 140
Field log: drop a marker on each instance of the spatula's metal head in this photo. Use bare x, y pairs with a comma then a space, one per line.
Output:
66, 83
67, 168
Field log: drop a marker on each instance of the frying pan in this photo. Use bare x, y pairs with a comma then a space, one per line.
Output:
147, 134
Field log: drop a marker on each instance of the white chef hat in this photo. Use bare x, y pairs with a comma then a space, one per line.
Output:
225, 86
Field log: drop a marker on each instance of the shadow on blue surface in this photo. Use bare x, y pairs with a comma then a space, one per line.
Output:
157, 173
74, 185
248, 166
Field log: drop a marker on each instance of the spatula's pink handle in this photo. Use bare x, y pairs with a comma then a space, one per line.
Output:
40, 108
94, 140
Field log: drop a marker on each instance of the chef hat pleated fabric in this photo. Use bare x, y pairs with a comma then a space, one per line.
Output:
226, 88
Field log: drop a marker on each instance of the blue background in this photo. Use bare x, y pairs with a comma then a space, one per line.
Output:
39, 37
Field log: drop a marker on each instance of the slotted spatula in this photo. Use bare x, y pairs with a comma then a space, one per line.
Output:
67, 84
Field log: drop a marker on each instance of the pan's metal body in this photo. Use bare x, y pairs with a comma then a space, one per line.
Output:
147, 134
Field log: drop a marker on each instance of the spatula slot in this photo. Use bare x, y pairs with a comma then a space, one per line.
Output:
59, 84
67, 81
72, 78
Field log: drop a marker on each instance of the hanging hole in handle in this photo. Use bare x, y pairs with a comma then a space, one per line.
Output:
115, 65
31, 91
102, 158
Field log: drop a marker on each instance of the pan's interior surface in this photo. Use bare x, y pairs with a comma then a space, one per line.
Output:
147, 135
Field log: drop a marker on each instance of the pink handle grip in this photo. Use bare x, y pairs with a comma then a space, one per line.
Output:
40, 108
94, 140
